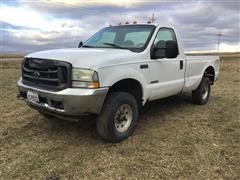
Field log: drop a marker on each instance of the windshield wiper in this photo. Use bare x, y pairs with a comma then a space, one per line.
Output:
87, 46
115, 45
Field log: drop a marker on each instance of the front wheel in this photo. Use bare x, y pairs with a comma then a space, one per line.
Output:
118, 118
201, 94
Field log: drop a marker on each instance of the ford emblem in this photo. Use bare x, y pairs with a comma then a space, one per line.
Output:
36, 74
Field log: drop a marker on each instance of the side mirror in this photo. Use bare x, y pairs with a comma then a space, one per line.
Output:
159, 50
80, 44
165, 49
171, 49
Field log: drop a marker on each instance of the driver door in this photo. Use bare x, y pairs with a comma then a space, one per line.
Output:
167, 74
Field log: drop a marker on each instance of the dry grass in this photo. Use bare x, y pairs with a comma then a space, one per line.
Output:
174, 139
7, 56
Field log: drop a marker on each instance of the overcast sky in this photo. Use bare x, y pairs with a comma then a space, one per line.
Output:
32, 25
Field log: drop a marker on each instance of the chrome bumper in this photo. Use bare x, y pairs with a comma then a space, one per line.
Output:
74, 101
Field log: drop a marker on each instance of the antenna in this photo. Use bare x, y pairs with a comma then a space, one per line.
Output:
153, 18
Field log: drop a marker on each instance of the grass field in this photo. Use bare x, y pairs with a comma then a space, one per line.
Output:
174, 138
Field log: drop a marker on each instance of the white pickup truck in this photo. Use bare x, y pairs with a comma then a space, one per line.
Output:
114, 73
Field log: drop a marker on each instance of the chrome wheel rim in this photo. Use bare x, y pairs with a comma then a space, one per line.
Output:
205, 92
123, 118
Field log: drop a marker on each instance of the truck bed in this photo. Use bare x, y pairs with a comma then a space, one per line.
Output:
195, 65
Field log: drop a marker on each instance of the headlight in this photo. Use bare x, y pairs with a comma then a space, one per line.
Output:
85, 78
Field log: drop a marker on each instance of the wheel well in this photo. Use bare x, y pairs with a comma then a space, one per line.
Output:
131, 86
210, 73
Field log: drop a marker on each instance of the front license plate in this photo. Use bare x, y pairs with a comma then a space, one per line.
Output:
33, 96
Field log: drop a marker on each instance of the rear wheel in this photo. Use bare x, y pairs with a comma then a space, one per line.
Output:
118, 118
201, 94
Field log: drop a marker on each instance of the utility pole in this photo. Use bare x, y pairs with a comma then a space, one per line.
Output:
219, 38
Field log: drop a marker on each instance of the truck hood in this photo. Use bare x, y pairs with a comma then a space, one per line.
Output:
90, 58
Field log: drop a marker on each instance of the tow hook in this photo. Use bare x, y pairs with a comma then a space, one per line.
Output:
20, 97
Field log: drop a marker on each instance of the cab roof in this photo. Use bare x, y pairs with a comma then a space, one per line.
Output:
145, 24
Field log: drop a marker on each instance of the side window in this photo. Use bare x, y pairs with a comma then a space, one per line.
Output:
165, 44
164, 35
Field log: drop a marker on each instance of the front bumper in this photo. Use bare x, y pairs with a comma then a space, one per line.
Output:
67, 102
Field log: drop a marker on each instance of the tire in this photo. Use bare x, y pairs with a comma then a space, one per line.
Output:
118, 118
201, 95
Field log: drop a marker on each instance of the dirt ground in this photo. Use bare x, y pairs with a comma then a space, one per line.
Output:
174, 138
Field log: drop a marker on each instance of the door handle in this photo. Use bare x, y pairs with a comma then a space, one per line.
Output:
181, 64
143, 66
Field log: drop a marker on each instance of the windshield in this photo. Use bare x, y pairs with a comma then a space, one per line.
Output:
132, 37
